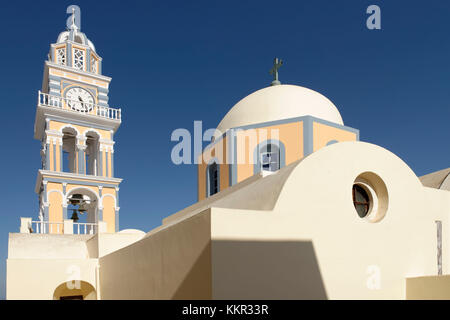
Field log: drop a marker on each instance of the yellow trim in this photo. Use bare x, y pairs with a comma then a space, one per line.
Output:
323, 133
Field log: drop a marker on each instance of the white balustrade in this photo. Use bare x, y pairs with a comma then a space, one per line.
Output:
84, 228
47, 227
47, 100
43, 227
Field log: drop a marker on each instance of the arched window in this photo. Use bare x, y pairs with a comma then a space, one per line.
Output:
92, 151
212, 179
68, 149
270, 158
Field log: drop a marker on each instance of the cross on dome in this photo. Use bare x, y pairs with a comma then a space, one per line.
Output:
277, 63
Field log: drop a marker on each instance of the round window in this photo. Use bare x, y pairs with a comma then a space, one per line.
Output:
370, 197
361, 200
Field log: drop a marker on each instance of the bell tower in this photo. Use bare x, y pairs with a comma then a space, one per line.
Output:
76, 127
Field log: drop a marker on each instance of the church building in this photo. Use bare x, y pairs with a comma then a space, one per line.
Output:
291, 205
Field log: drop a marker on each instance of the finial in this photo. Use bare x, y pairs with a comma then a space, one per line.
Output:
277, 63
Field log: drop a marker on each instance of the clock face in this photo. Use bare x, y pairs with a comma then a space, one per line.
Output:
79, 99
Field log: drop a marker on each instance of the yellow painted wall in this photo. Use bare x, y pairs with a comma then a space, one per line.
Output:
219, 151
323, 134
108, 203
109, 213
51, 154
58, 156
55, 200
104, 134
103, 173
108, 158
201, 179
290, 134
74, 185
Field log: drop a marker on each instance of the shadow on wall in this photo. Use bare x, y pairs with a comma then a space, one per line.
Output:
174, 263
182, 262
197, 281
266, 270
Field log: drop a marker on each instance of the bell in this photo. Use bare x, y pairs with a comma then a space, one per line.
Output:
76, 199
74, 216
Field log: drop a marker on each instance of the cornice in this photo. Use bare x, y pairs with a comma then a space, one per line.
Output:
77, 72
73, 176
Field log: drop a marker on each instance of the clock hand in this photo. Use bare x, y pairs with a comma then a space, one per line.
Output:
81, 100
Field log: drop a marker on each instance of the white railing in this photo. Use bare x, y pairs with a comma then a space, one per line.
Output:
47, 227
84, 227
47, 100
59, 227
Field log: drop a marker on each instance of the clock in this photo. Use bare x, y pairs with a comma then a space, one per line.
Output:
79, 99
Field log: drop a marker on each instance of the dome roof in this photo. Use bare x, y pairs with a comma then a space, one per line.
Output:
79, 37
278, 103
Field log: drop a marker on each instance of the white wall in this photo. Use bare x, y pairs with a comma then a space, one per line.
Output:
315, 210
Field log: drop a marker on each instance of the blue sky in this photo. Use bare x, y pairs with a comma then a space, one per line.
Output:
173, 62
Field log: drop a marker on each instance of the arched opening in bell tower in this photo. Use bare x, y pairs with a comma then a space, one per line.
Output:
82, 208
68, 149
92, 152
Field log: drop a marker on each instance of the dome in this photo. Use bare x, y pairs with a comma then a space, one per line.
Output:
277, 103
79, 37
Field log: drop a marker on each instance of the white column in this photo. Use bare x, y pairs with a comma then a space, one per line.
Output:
68, 226
25, 225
